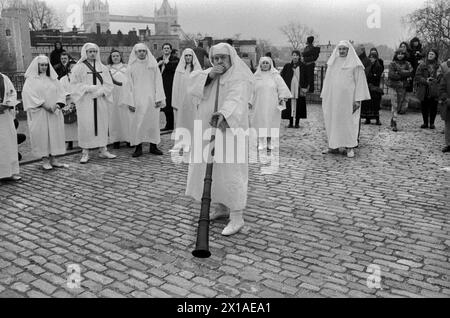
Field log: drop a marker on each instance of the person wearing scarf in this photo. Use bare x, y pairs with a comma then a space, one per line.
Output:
43, 98
344, 88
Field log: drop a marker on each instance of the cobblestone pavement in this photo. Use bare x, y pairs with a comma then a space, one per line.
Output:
322, 226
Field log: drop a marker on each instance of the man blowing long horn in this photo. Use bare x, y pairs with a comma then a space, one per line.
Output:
230, 174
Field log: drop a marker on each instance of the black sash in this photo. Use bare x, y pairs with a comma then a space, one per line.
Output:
100, 78
2, 88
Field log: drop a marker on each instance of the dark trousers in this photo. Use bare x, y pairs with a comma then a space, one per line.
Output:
429, 110
168, 111
310, 76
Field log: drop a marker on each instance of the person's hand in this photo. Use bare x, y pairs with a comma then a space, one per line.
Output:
132, 109
159, 104
304, 91
160, 62
356, 106
250, 106
216, 71
219, 121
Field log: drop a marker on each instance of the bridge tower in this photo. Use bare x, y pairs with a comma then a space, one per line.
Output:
96, 13
165, 18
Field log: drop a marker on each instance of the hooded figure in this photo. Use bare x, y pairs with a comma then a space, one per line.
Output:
119, 126
230, 83
344, 88
87, 92
55, 55
145, 97
268, 100
43, 98
9, 163
185, 111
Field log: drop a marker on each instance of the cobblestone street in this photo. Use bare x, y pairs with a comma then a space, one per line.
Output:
321, 226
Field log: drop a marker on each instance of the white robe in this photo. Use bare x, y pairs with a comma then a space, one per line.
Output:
71, 130
46, 129
230, 180
183, 105
144, 90
119, 119
9, 162
84, 101
269, 89
343, 87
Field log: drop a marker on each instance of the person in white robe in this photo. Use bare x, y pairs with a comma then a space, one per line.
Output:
119, 119
268, 100
144, 97
344, 88
70, 129
183, 107
43, 98
230, 82
85, 92
9, 159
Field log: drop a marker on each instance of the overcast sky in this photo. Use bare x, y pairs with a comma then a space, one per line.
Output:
333, 20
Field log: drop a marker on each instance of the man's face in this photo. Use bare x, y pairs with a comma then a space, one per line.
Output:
141, 54
64, 59
343, 51
295, 58
167, 50
222, 60
58, 46
265, 66
91, 54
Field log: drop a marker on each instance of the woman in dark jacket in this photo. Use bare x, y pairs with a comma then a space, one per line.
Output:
404, 46
427, 88
371, 109
298, 86
55, 55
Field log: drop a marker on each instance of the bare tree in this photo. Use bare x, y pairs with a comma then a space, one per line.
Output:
40, 15
431, 23
296, 34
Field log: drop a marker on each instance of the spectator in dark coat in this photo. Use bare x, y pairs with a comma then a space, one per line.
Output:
168, 64
62, 68
310, 56
294, 75
55, 55
371, 109
426, 81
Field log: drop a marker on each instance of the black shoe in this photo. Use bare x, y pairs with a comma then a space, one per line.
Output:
446, 149
394, 126
378, 123
432, 126
116, 145
20, 157
367, 122
70, 145
138, 152
166, 129
155, 151
291, 126
297, 126
424, 126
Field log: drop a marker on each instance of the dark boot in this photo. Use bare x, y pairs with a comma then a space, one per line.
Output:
116, 145
446, 149
297, 123
378, 123
155, 151
394, 126
367, 122
70, 145
291, 123
138, 152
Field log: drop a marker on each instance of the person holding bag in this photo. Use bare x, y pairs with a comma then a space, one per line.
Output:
427, 85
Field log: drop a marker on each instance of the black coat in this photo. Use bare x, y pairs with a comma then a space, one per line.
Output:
287, 74
167, 77
61, 70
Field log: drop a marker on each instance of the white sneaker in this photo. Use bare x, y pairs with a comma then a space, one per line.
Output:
350, 153
107, 155
84, 158
235, 225
46, 164
220, 212
55, 163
